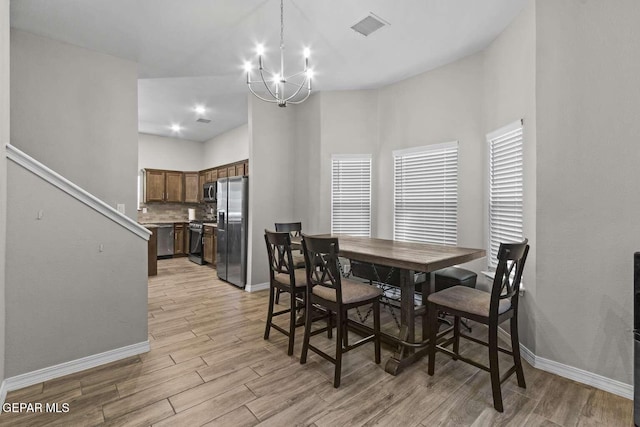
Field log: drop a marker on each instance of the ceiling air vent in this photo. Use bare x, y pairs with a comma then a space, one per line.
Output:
369, 24
203, 120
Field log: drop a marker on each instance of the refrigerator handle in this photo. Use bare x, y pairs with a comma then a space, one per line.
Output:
221, 220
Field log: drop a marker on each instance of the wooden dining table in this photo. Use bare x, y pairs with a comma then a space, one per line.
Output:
408, 258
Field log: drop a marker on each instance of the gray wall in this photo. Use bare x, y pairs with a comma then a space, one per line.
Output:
438, 106
75, 111
588, 104
160, 152
271, 198
52, 84
229, 147
4, 139
510, 95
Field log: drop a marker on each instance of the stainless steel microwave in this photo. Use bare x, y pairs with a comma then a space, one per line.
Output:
209, 192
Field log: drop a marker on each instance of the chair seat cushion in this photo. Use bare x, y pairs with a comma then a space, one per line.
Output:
469, 300
351, 292
298, 260
300, 275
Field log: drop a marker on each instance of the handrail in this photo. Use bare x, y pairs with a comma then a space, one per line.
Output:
54, 178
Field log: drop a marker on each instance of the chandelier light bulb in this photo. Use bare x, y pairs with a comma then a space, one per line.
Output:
200, 109
247, 67
176, 127
306, 52
260, 49
309, 73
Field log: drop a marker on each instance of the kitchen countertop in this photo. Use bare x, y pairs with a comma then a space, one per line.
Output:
210, 224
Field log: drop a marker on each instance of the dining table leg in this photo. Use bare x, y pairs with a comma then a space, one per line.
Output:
400, 358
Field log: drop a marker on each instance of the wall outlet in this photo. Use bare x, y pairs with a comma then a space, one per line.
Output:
144, 210
120, 208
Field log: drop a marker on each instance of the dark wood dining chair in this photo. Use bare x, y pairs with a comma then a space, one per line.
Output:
294, 229
327, 288
489, 308
283, 278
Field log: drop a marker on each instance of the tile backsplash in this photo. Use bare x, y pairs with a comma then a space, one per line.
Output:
175, 211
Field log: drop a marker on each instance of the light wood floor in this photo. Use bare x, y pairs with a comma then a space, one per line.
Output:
209, 365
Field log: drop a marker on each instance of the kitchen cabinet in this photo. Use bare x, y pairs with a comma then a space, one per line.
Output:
246, 168
154, 186
191, 187
203, 179
152, 252
163, 186
222, 172
178, 239
231, 171
209, 244
240, 169
212, 175
174, 187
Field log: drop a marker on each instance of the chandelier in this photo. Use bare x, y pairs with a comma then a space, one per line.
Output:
281, 89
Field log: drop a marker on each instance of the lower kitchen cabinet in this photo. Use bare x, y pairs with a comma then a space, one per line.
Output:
209, 245
178, 239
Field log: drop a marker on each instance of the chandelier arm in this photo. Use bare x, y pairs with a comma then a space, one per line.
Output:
295, 75
260, 97
266, 85
297, 91
301, 100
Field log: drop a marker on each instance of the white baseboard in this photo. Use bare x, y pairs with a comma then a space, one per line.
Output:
3, 392
71, 367
579, 375
257, 287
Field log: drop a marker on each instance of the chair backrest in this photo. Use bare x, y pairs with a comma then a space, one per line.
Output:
506, 282
321, 263
279, 252
293, 228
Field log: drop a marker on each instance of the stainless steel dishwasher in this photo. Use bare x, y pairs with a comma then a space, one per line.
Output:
165, 239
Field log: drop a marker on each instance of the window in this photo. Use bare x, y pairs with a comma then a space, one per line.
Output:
505, 187
425, 198
351, 194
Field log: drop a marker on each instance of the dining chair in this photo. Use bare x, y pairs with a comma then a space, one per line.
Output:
294, 229
327, 288
489, 308
283, 278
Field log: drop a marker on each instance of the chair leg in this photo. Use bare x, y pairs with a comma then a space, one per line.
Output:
456, 336
338, 369
292, 321
432, 313
307, 332
376, 329
267, 328
493, 367
278, 296
329, 324
515, 347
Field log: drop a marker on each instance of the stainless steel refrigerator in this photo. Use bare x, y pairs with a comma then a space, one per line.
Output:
231, 258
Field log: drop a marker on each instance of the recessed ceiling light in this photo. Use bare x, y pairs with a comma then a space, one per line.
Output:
200, 109
176, 128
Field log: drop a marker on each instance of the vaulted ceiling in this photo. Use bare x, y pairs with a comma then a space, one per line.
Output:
192, 51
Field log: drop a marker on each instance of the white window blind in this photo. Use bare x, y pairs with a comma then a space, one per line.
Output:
505, 188
351, 194
426, 194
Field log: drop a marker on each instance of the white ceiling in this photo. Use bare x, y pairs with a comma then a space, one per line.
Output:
192, 51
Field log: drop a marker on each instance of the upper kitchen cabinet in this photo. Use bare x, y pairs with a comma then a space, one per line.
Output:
164, 186
174, 187
191, 187
154, 186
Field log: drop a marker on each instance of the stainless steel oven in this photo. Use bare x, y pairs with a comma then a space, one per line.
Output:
196, 238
